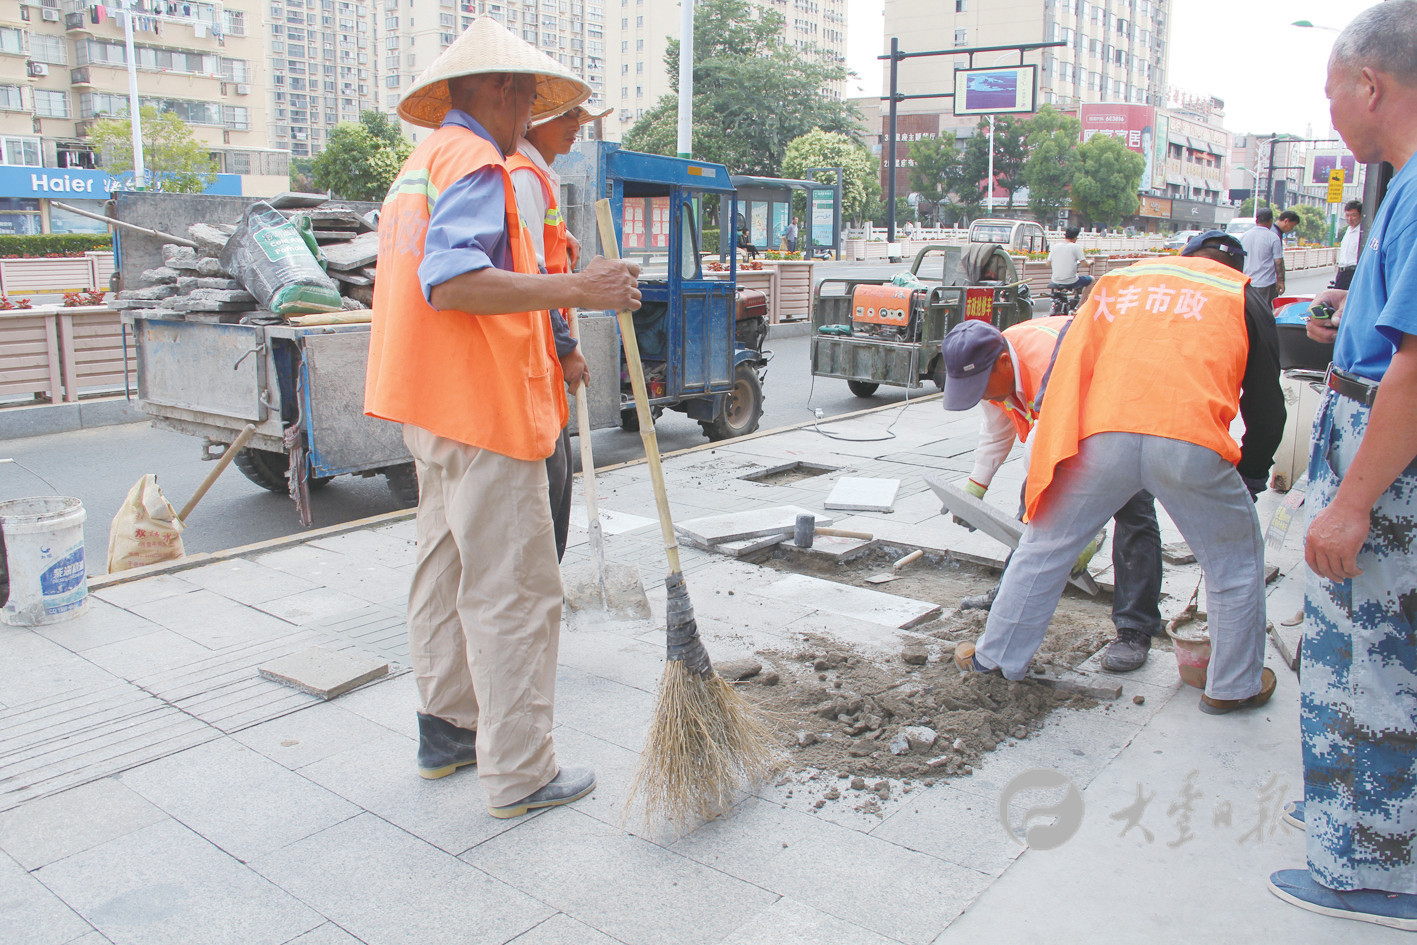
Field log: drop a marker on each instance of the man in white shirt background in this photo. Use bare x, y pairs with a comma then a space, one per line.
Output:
1066, 257
1351, 243
1264, 256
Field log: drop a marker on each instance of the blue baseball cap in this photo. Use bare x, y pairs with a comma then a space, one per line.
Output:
1217, 239
969, 352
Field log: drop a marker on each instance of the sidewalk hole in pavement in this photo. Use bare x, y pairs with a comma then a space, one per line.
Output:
789, 473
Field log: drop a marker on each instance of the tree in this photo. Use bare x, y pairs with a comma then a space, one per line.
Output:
936, 172
1313, 223
175, 161
1048, 171
360, 161
1010, 152
860, 175
302, 175
1106, 179
753, 93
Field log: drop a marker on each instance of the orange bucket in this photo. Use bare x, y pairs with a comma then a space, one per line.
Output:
1192, 646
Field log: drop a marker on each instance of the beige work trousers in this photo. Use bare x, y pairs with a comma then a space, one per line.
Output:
484, 607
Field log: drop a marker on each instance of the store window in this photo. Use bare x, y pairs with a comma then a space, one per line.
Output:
19, 216
62, 221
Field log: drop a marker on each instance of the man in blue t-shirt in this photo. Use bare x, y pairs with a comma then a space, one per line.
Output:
1358, 682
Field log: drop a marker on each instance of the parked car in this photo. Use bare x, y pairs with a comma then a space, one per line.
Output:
1016, 236
1179, 239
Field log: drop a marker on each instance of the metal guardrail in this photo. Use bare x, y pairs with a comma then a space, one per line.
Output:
52, 354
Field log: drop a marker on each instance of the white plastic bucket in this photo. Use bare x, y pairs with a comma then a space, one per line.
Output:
44, 556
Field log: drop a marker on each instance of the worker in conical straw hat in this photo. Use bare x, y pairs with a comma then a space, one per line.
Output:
461, 354
538, 188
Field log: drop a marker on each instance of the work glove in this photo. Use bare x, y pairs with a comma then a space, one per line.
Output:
974, 489
1256, 485
1084, 559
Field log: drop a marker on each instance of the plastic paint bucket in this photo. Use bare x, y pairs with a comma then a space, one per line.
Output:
44, 560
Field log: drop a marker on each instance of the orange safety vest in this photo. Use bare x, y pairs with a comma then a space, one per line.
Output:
490, 381
1158, 348
1033, 343
553, 227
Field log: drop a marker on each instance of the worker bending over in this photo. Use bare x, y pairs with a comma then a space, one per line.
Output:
1143, 390
1009, 372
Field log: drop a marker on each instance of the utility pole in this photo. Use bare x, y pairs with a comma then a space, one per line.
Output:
890, 170
686, 78
135, 123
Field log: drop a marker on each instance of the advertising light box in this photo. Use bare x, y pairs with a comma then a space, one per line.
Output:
994, 91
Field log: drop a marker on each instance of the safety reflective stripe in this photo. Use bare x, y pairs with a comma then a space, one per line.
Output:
1153, 268
553, 216
415, 182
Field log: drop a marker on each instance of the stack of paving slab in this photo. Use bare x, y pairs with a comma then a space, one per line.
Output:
743, 533
192, 285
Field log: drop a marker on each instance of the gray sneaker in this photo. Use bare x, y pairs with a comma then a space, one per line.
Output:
980, 601
1127, 652
570, 784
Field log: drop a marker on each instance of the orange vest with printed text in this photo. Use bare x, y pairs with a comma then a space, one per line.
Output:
1158, 348
490, 381
553, 226
1033, 344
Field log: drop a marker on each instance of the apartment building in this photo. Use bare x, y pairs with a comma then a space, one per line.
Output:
322, 57
63, 65
640, 31
414, 32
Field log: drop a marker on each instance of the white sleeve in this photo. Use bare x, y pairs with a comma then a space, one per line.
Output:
531, 204
996, 441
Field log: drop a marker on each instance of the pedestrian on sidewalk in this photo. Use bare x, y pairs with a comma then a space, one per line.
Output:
791, 236
1144, 386
1007, 372
1358, 678
1351, 244
1264, 256
557, 251
461, 353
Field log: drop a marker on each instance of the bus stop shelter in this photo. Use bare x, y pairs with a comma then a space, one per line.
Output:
765, 209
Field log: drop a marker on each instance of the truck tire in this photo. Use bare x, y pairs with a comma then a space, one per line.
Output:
937, 373
270, 470
403, 483
740, 409
863, 388
630, 420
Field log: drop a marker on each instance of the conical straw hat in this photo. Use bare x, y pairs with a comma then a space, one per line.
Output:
487, 47
583, 115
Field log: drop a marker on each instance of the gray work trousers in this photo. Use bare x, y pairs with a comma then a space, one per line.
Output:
1209, 503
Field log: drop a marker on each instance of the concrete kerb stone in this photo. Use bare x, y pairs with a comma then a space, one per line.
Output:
29, 420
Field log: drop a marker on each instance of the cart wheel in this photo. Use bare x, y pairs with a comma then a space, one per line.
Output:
629, 420
863, 388
269, 470
937, 373
740, 409
403, 483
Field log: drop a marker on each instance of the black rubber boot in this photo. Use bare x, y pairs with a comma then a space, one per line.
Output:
443, 747
980, 601
1127, 652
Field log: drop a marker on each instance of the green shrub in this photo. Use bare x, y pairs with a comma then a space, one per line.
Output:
53, 245
710, 243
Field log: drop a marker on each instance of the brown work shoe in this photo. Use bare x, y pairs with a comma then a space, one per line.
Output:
964, 659
1221, 706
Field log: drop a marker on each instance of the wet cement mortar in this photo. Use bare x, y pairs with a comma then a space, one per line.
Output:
841, 708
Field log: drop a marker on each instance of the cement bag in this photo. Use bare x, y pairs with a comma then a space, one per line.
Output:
146, 529
276, 259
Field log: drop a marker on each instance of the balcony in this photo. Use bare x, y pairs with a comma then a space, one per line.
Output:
75, 21
80, 76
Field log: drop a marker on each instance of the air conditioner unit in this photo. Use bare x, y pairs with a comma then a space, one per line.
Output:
38, 70
49, 16
243, 89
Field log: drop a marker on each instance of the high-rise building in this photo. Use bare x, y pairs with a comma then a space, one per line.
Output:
64, 65
415, 32
640, 31
323, 68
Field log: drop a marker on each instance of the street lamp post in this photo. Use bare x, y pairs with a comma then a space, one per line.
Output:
989, 184
140, 173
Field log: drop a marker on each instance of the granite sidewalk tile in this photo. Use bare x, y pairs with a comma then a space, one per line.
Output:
32, 914
46, 830
239, 800
561, 929
311, 735
616, 882
386, 887
247, 582
100, 624
212, 620
788, 922
165, 885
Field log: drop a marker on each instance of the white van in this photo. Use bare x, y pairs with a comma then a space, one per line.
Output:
1239, 226
1019, 236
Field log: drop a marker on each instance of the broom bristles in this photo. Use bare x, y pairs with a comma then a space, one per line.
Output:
706, 743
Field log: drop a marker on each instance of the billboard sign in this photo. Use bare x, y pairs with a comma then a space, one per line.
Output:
1320, 162
1133, 125
995, 91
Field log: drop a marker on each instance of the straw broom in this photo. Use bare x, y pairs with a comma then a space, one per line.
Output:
706, 742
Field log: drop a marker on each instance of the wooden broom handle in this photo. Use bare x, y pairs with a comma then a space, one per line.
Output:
610, 247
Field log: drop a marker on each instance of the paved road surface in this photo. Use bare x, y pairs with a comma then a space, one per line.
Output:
100, 465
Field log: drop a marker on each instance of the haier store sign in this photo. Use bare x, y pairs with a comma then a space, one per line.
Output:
81, 184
